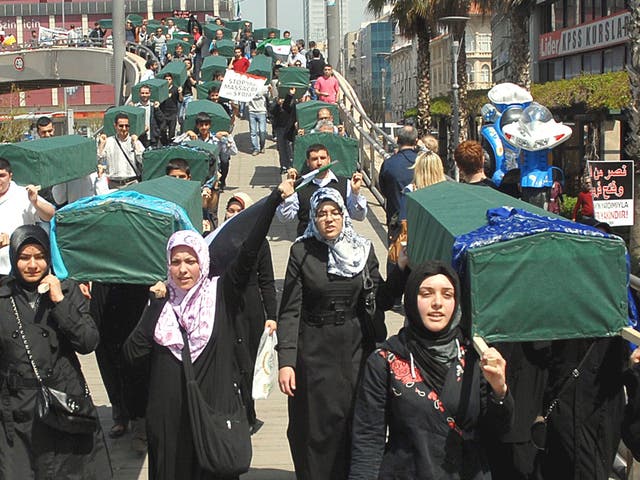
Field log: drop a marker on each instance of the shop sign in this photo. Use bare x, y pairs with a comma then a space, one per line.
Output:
612, 191
600, 33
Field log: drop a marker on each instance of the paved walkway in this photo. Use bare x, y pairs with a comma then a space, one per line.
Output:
255, 176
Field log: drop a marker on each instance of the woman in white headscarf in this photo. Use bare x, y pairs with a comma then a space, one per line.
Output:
325, 334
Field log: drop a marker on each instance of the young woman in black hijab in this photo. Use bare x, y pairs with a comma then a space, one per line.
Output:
56, 325
430, 389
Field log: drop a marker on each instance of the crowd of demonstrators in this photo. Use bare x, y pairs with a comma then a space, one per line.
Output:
423, 404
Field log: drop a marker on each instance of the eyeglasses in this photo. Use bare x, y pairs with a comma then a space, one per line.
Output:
123, 125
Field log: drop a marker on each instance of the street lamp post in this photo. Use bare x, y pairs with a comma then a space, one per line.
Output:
455, 90
383, 71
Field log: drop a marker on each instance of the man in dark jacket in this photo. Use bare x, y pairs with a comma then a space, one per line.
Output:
283, 119
297, 206
396, 174
153, 119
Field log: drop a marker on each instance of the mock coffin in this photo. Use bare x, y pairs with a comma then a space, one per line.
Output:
50, 161
343, 149
136, 120
200, 156
527, 274
121, 237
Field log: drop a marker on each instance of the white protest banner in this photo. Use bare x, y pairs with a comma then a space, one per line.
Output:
612, 191
49, 36
241, 87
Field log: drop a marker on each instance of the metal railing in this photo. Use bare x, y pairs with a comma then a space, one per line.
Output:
374, 143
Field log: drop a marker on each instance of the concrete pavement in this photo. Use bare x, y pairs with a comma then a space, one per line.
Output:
256, 176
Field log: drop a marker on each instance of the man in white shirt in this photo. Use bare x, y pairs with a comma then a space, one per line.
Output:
18, 206
153, 118
151, 70
121, 153
224, 140
296, 56
297, 206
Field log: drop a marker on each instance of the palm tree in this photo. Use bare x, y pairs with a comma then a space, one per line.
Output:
518, 12
414, 18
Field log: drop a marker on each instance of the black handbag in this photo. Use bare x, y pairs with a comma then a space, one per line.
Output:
61, 411
373, 318
538, 429
222, 440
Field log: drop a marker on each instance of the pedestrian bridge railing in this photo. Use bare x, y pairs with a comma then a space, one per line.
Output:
374, 143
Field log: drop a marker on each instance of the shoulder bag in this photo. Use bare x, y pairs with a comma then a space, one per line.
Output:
131, 164
222, 440
539, 426
61, 411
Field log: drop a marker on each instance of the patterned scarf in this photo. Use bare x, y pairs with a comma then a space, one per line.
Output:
349, 252
193, 309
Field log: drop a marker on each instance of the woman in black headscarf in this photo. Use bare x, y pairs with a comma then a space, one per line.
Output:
430, 389
56, 325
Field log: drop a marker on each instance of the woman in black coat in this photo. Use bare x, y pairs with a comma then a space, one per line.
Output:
428, 387
324, 335
56, 325
207, 308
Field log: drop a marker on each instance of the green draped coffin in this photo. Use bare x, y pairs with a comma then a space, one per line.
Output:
260, 34
111, 239
340, 148
159, 89
306, 113
203, 88
220, 120
199, 155
178, 71
544, 286
262, 66
136, 120
50, 161
213, 64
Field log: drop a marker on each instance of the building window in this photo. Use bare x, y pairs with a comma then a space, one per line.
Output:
484, 42
592, 62
557, 16
471, 74
613, 6
556, 70
469, 43
485, 74
573, 13
614, 59
573, 66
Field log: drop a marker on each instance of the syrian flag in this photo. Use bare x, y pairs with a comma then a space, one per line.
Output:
226, 240
278, 48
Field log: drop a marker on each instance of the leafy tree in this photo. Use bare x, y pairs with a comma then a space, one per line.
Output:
415, 19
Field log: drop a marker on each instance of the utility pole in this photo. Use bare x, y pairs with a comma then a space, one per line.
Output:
272, 14
333, 32
117, 31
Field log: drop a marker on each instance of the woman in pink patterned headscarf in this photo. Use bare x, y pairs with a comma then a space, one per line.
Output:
192, 295
207, 308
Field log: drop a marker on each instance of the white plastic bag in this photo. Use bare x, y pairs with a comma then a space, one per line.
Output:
265, 373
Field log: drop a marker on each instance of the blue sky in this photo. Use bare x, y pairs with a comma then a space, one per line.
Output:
290, 14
